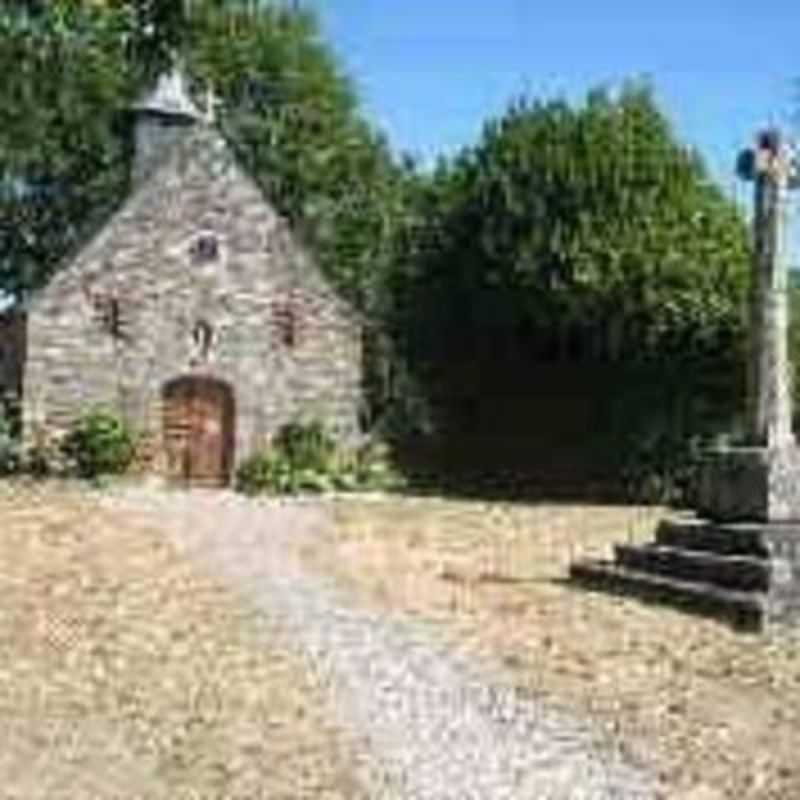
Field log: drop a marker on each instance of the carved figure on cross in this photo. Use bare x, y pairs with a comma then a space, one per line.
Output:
774, 168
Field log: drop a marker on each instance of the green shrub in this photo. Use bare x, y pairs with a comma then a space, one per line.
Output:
305, 458
373, 468
99, 443
267, 471
306, 446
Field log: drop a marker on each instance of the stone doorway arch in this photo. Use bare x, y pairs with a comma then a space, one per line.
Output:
199, 417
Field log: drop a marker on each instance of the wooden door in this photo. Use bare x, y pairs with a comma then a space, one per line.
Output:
198, 431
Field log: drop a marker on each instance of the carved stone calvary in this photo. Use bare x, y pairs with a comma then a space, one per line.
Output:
761, 479
774, 171
739, 555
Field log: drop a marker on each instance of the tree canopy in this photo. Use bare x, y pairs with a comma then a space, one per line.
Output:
591, 214
72, 68
566, 229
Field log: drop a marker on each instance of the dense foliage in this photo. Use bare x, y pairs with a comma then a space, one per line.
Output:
62, 155
99, 443
593, 216
72, 68
583, 235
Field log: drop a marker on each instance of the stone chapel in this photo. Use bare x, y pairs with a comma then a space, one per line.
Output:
195, 313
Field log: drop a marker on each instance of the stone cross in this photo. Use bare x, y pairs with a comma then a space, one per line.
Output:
774, 169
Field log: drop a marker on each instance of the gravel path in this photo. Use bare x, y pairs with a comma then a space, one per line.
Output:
436, 726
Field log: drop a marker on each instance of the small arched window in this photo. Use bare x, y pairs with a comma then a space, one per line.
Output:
202, 340
285, 321
106, 309
205, 248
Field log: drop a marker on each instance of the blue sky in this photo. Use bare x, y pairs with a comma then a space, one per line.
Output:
429, 73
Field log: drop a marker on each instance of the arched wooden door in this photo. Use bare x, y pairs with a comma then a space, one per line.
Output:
199, 419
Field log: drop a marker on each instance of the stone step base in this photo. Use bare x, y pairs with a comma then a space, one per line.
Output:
737, 572
694, 533
748, 571
743, 609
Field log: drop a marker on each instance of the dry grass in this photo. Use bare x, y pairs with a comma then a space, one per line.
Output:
125, 673
717, 713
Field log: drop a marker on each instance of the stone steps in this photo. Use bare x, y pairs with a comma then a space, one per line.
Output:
744, 573
743, 609
748, 572
691, 533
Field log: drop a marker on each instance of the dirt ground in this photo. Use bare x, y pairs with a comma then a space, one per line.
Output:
125, 673
715, 712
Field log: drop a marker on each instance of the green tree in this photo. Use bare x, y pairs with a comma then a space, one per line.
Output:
573, 233
594, 214
62, 160
73, 67
294, 118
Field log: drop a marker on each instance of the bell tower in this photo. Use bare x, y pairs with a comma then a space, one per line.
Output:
163, 116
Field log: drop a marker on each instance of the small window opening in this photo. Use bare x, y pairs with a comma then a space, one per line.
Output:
284, 318
111, 318
203, 338
107, 311
205, 249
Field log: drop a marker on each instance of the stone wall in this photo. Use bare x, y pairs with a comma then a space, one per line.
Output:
156, 257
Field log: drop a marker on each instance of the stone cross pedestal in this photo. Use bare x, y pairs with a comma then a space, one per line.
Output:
761, 480
739, 555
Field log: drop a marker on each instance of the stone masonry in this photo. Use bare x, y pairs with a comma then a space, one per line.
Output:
196, 274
